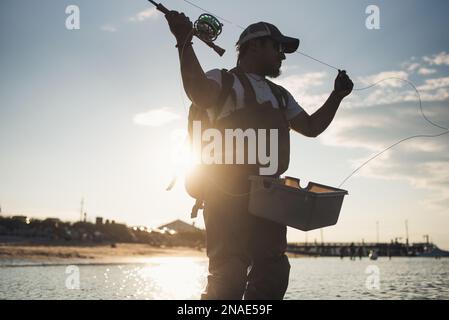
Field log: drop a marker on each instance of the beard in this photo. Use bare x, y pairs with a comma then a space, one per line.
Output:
273, 72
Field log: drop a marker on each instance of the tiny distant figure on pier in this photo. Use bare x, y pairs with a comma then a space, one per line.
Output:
342, 252
352, 251
360, 252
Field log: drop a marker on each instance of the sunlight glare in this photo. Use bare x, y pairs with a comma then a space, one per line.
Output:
175, 278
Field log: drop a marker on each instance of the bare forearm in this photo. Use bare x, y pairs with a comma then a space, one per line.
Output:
323, 117
312, 126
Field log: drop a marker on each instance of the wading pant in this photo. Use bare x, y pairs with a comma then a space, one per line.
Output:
246, 253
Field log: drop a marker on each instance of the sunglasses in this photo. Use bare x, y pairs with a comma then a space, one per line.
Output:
279, 47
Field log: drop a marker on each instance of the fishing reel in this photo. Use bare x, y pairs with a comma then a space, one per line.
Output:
207, 28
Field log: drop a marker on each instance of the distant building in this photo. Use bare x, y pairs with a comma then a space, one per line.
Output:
20, 218
179, 226
52, 221
99, 221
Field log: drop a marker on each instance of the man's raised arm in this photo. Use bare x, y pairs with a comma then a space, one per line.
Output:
314, 125
200, 90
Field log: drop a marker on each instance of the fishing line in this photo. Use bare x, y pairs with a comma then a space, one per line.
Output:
402, 140
414, 88
354, 89
310, 57
388, 148
198, 7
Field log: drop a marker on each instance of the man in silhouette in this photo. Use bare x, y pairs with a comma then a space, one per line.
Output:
246, 253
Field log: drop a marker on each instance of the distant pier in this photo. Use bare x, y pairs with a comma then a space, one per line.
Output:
355, 250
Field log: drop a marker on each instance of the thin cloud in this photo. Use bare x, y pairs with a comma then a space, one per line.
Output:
392, 91
302, 81
389, 89
108, 28
287, 68
301, 86
369, 80
439, 59
420, 65
429, 175
424, 146
155, 118
141, 16
426, 71
433, 84
412, 67
438, 95
376, 128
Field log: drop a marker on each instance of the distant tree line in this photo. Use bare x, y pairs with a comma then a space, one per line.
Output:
57, 231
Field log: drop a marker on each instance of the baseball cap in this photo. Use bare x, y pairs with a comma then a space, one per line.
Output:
265, 29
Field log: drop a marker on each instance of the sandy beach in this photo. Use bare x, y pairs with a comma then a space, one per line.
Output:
98, 254
46, 254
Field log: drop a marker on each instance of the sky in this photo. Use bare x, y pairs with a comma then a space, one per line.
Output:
96, 113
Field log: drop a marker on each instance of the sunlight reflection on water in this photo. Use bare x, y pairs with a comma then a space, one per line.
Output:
185, 278
173, 278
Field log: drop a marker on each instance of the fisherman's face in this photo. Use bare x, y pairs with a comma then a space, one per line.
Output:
271, 55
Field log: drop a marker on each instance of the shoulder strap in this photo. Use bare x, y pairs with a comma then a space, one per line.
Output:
249, 93
227, 82
280, 93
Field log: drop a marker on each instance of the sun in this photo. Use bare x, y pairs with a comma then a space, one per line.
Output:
183, 158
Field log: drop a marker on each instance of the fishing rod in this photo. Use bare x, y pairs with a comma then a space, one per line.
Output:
207, 28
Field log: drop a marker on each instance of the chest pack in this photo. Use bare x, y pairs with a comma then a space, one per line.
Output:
252, 116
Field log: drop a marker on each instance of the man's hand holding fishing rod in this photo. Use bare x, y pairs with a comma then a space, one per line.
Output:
197, 86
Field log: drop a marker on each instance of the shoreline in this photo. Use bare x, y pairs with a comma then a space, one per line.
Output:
52, 254
13, 254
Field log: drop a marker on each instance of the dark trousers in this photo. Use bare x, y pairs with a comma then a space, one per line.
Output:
246, 253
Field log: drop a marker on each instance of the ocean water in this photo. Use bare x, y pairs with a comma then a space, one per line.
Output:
184, 278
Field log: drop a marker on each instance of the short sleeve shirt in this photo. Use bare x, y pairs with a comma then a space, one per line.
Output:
263, 94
